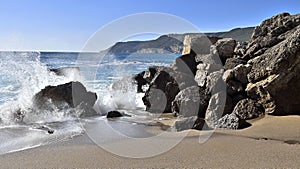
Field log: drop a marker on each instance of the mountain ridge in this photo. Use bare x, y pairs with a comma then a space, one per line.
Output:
173, 43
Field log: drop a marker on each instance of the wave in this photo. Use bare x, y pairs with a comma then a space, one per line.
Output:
22, 76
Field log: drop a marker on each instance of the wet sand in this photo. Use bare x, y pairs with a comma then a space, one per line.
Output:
271, 142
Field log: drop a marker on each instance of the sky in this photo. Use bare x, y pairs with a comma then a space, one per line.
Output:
66, 25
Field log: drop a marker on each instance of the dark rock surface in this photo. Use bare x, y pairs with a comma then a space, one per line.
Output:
113, 114
161, 93
74, 94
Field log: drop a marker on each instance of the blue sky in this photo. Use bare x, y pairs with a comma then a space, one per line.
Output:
65, 25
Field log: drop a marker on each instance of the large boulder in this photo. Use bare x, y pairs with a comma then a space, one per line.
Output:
191, 101
248, 109
74, 94
275, 53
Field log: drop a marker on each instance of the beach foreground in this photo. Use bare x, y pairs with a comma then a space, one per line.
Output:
271, 142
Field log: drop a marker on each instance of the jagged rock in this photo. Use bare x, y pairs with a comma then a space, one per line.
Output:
74, 94
193, 122
233, 62
240, 49
271, 32
225, 48
248, 109
191, 101
232, 121
113, 114
275, 64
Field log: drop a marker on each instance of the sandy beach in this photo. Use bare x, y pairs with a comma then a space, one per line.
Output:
271, 142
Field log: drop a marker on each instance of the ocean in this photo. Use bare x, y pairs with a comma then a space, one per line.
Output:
23, 74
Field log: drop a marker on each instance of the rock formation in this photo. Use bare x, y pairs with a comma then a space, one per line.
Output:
233, 82
72, 94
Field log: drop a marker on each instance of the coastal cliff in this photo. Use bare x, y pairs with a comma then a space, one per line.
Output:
173, 43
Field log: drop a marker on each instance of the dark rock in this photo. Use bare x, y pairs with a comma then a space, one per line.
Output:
113, 114
191, 101
140, 81
248, 109
274, 76
161, 93
74, 94
232, 63
232, 121
234, 87
193, 122
145, 77
186, 63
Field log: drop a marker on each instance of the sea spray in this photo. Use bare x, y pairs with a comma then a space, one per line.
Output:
24, 75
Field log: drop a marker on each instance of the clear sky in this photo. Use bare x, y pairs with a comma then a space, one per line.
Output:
65, 25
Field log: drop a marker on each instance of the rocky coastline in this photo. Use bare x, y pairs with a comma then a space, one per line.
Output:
216, 83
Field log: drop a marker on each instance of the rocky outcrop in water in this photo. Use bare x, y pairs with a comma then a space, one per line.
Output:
69, 95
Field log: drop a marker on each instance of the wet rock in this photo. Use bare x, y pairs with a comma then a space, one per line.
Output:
191, 101
74, 94
248, 109
113, 114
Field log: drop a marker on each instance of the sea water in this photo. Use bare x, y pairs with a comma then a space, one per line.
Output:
23, 74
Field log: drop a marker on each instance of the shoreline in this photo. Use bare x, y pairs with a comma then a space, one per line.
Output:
224, 149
